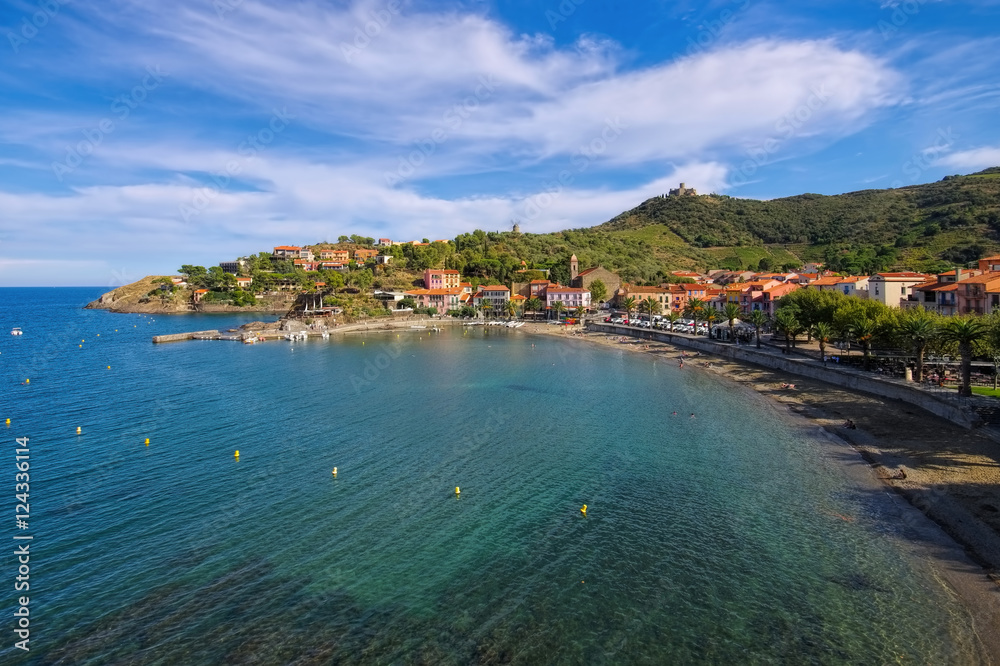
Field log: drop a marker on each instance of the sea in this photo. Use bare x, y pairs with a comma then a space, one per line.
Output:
717, 529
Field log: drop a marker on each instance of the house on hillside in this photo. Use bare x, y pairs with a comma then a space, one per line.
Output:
979, 294
893, 288
441, 278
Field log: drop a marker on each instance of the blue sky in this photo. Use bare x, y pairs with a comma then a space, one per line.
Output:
138, 136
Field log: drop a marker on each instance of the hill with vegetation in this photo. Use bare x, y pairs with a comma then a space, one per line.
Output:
929, 227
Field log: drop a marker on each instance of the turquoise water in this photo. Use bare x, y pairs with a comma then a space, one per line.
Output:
715, 539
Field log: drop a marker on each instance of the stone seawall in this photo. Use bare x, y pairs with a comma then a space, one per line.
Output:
949, 409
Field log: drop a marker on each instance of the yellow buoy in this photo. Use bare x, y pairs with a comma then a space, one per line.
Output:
109, 367
79, 345
335, 471
8, 421
27, 381
82, 340
116, 330
583, 510
237, 453
147, 441
458, 491
79, 430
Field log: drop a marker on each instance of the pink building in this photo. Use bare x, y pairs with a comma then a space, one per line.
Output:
441, 278
571, 297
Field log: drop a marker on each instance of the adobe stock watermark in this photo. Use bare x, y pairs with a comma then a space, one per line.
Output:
709, 31
373, 368
580, 161
944, 139
247, 150
786, 128
378, 20
122, 107
901, 13
566, 9
29, 27
451, 121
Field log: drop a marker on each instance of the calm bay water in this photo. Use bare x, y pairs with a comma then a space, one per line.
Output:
729, 537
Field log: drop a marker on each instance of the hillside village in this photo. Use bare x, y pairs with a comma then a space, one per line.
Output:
326, 278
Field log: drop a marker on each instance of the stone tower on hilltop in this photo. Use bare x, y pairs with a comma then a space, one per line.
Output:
574, 268
683, 192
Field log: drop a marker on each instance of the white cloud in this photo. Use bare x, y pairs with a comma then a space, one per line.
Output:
977, 158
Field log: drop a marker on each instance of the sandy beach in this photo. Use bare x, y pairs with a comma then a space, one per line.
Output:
952, 475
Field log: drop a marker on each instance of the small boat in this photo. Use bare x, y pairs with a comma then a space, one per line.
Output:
326, 335
418, 327
16, 331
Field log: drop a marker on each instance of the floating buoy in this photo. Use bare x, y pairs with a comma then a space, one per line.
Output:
147, 442
237, 454
79, 345
8, 421
27, 381
335, 471
458, 491
109, 367
82, 340
79, 430
116, 330
583, 510
98, 335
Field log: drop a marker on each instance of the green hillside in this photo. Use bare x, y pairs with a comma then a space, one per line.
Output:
955, 220
928, 227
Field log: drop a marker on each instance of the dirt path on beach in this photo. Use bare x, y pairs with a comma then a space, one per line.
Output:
952, 474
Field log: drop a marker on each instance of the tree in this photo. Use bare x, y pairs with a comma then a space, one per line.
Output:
822, 332
695, 309
485, 307
966, 331
580, 313
731, 312
534, 304
629, 305
864, 329
558, 307
672, 318
343, 239
758, 320
918, 328
765, 264
711, 316
788, 325
511, 309
651, 306
406, 302
598, 291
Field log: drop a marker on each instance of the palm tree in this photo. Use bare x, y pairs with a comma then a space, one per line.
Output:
534, 304
652, 306
672, 318
731, 312
711, 316
485, 308
629, 305
695, 309
758, 320
511, 309
966, 331
864, 330
558, 308
821, 332
919, 330
787, 324
580, 313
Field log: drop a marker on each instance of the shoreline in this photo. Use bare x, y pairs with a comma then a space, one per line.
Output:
952, 474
